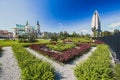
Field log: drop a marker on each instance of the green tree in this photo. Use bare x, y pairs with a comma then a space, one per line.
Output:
116, 31
106, 33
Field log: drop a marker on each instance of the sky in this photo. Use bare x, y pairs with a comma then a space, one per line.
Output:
59, 15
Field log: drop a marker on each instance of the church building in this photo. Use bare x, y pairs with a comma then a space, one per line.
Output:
21, 30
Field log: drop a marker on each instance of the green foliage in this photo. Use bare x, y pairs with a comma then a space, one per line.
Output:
93, 45
42, 41
24, 44
60, 46
48, 76
81, 40
106, 33
7, 42
97, 67
31, 67
27, 38
117, 71
54, 38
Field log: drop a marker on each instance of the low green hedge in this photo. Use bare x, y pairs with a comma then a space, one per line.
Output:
97, 66
31, 67
117, 71
60, 46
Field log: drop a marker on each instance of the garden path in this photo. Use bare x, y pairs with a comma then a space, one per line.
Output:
9, 69
64, 72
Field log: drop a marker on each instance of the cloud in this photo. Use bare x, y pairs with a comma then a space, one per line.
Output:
113, 25
84, 31
60, 25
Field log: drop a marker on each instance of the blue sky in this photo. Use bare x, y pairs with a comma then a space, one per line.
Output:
60, 15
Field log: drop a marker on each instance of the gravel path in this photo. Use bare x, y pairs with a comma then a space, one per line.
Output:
64, 72
9, 68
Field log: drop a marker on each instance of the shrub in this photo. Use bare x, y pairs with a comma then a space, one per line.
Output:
31, 67
97, 67
61, 47
54, 38
117, 71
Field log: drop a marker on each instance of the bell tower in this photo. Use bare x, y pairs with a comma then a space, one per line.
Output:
38, 29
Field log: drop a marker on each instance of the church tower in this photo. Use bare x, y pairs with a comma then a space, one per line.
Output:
96, 25
38, 29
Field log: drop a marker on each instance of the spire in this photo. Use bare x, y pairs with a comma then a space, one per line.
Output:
27, 23
37, 22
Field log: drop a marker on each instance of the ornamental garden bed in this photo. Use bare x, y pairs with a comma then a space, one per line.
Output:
61, 52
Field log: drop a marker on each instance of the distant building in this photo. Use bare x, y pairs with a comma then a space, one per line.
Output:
21, 30
4, 34
96, 25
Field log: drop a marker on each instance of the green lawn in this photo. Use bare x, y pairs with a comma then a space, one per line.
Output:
11, 42
81, 40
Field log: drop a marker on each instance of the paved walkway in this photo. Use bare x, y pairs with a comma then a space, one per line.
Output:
9, 68
64, 72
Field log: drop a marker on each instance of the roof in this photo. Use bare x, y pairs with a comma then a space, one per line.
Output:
20, 26
23, 26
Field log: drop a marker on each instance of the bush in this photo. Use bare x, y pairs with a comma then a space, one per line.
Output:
31, 67
54, 38
97, 67
48, 76
117, 71
61, 47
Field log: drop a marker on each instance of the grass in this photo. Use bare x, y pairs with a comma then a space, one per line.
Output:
4, 43
81, 40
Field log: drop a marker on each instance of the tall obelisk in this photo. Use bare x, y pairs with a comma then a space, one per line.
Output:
95, 25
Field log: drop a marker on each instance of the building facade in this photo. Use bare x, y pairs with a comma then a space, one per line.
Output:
21, 30
96, 25
4, 34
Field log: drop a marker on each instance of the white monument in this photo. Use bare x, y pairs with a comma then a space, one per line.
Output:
96, 25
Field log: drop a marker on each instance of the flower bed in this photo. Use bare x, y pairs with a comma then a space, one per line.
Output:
60, 46
66, 56
98, 42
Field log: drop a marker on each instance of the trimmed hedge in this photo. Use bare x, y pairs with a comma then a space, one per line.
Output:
60, 46
97, 66
117, 71
31, 67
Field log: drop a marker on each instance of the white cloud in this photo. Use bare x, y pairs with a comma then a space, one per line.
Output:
84, 31
60, 25
113, 25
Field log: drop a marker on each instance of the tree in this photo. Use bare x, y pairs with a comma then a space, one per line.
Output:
74, 34
54, 38
116, 31
106, 33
